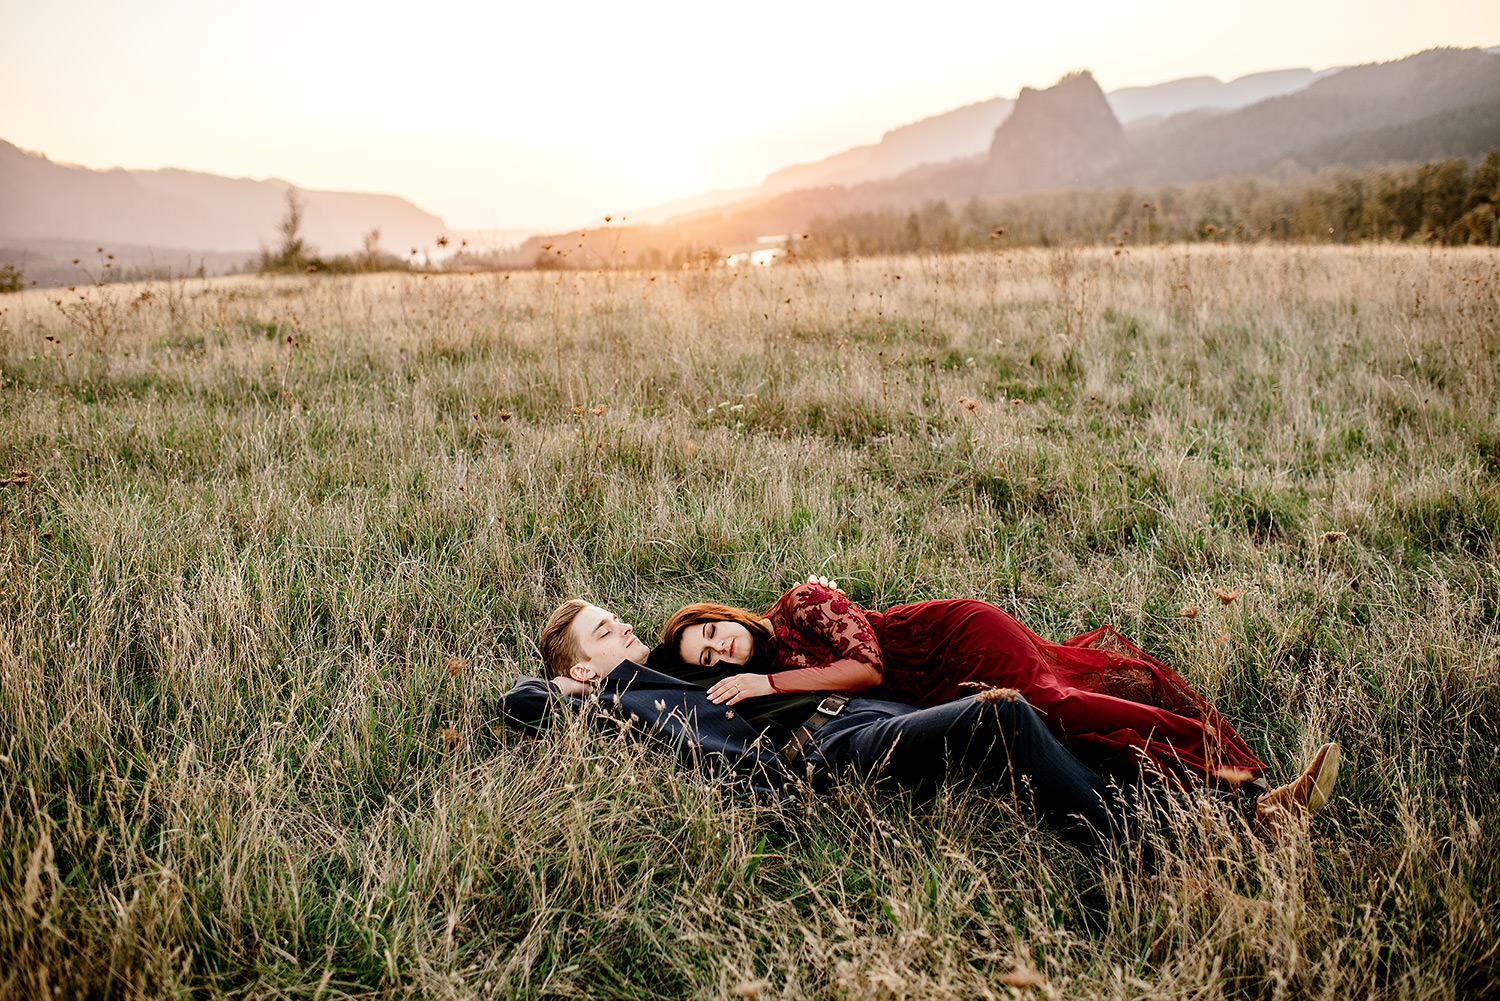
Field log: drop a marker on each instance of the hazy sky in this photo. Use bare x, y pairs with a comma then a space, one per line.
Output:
543, 114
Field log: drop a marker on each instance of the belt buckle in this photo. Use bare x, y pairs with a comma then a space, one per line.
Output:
838, 704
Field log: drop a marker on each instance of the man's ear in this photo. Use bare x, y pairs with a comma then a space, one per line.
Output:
582, 672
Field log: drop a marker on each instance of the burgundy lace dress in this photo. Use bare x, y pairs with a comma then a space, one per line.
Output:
1098, 692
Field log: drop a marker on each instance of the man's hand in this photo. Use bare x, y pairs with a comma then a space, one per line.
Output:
815, 579
570, 687
740, 686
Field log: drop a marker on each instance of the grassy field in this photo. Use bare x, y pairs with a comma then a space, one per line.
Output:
282, 541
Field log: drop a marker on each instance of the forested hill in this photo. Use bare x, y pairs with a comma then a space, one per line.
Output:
1434, 104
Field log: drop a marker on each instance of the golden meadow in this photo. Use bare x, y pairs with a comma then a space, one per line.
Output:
271, 547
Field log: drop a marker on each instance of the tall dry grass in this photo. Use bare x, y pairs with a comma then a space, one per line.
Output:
283, 540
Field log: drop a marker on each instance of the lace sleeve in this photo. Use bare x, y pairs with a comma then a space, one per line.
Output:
827, 643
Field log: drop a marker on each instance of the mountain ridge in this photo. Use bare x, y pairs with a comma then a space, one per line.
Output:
1423, 112
969, 130
174, 207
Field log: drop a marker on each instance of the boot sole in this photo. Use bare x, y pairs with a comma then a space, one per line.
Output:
1323, 784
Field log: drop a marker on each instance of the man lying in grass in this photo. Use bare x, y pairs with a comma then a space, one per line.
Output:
780, 744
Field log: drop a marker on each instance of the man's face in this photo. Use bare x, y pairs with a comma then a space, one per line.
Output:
605, 641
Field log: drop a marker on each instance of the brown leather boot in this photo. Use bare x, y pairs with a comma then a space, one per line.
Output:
1281, 810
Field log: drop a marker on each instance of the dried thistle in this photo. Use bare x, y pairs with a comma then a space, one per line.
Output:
1022, 976
1189, 612
1334, 536
991, 695
1227, 595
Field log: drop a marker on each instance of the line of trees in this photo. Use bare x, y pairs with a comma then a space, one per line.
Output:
1447, 201
293, 255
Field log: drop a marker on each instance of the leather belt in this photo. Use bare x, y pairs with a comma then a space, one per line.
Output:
830, 707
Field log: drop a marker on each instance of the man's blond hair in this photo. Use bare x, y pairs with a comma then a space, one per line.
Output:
559, 647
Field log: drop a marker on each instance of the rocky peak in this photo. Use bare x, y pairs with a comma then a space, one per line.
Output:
1054, 138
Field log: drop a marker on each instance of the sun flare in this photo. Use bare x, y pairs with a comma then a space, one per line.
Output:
662, 159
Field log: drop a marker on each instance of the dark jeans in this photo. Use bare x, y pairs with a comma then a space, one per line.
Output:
1002, 745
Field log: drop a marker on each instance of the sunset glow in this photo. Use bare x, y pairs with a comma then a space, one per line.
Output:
532, 115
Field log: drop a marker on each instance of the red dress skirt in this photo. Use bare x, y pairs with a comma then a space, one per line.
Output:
1099, 693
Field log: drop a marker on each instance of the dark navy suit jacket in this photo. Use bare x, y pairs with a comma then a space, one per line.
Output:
713, 738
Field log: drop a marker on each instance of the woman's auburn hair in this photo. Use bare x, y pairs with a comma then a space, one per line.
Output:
763, 653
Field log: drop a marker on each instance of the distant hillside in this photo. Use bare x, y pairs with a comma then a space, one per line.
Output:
184, 209
963, 132
1435, 104
1060, 137
1163, 100
969, 131
1367, 100
1410, 109
1468, 132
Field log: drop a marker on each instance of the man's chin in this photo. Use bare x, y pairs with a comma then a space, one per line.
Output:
639, 656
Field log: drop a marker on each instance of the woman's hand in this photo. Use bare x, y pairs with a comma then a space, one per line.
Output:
740, 686
815, 579
568, 686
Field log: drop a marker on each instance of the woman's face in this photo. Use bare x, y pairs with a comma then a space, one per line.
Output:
716, 642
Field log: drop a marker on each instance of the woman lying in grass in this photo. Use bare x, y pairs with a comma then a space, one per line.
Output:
1108, 701
588, 651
